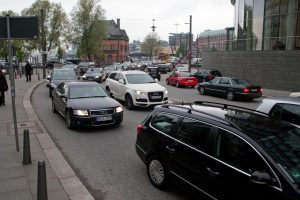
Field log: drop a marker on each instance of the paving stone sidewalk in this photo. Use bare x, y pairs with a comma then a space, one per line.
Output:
19, 181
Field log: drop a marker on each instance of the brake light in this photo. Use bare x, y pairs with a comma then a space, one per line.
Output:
210, 76
260, 90
139, 129
245, 90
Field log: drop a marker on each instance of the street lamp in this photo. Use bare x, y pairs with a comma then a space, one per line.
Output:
190, 44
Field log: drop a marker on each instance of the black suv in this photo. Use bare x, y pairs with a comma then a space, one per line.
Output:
153, 72
207, 75
226, 152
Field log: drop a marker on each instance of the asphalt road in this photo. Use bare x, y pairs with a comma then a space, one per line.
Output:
105, 159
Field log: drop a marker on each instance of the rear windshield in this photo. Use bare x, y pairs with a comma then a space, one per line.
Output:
236, 81
216, 73
63, 75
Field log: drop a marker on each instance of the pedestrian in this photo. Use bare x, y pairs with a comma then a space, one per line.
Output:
3, 88
28, 71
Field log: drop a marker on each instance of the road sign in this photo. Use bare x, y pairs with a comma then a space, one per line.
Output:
20, 28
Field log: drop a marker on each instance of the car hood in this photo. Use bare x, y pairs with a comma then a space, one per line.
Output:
93, 103
148, 87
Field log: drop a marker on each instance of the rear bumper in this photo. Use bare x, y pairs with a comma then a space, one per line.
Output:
248, 95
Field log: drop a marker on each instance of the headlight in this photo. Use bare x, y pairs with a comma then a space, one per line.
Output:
81, 112
96, 76
166, 91
139, 92
84, 76
119, 109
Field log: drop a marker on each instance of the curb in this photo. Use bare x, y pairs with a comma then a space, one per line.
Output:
72, 185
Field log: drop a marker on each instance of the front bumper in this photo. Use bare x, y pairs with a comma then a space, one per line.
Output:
93, 121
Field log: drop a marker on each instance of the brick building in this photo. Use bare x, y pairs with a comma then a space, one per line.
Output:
115, 46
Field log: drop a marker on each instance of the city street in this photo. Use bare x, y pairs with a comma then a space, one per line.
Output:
105, 157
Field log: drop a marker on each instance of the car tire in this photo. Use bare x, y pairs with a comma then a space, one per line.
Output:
53, 107
128, 102
202, 90
68, 120
50, 92
157, 172
177, 85
230, 95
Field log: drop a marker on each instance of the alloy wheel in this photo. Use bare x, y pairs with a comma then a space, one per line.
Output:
230, 95
156, 172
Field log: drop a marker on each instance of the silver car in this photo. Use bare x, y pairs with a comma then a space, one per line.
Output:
283, 108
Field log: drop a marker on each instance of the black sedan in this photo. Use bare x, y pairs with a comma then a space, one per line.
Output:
231, 88
86, 104
94, 74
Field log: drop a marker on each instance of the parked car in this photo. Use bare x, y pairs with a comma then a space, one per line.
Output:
283, 108
82, 67
231, 88
60, 75
207, 75
86, 104
223, 151
182, 67
153, 72
94, 74
136, 88
180, 79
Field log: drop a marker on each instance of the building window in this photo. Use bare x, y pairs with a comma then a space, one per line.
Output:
121, 47
111, 47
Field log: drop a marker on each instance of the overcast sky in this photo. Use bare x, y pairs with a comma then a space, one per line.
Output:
136, 15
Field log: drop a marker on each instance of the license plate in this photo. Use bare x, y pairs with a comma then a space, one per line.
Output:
155, 97
253, 90
103, 118
190, 80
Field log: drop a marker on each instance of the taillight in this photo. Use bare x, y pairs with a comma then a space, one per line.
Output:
139, 129
210, 76
260, 90
245, 90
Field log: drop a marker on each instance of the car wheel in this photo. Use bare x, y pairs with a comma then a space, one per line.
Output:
202, 90
230, 95
157, 172
53, 107
167, 82
50, 92
68, 120
107, 90
128, 102
177, 85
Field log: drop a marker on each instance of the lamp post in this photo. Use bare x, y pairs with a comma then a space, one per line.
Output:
190, 44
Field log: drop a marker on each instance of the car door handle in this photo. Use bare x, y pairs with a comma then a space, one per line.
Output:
170, 149
213, 173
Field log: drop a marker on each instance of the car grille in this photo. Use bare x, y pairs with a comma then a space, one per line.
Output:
102, 112
155, 96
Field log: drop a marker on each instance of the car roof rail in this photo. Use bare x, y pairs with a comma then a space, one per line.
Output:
190, 109
225, 106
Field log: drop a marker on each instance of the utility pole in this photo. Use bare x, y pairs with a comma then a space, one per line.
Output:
190, 45
43, 43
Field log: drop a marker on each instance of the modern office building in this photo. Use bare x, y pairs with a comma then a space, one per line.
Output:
264, 45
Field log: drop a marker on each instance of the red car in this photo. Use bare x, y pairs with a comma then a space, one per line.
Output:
181, 79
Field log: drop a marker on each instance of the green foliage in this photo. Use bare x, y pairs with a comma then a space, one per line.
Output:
60, 53
88, 26
181, 51
150, 43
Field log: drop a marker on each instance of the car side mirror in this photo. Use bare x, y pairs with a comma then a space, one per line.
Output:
63, 96
261, 177
122, 81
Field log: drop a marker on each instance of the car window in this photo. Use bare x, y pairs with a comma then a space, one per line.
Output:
139, 78
60, 88
216, 73
287, 112
184, 74
193, 133
236, 81
165, 123
63, 75
204, 73
87, 91
121, 76
237, 153
112, 76
215, 80
224, 81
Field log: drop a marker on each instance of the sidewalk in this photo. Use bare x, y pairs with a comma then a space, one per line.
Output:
19, 181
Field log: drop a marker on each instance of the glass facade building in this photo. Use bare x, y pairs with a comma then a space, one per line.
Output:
266, 25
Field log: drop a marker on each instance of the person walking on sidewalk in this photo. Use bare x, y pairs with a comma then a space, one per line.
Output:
3, 88
28, 71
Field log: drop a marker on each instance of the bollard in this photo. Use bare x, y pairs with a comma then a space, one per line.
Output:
42, 182
26, 148
38, 76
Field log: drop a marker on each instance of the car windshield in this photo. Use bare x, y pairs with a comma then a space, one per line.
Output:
139, 78
152, 69
236, 81
86, 91
94, 70
285, 150
71, 66
109, 68
63, 75
184, 74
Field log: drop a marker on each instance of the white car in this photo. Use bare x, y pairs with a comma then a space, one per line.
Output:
136, 88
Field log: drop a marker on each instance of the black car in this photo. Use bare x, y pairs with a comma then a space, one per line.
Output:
153, 72
60, 75
231, 88
94, 74
86, 104
162, 68
107, 70
207, 75
226, 152
82, 67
